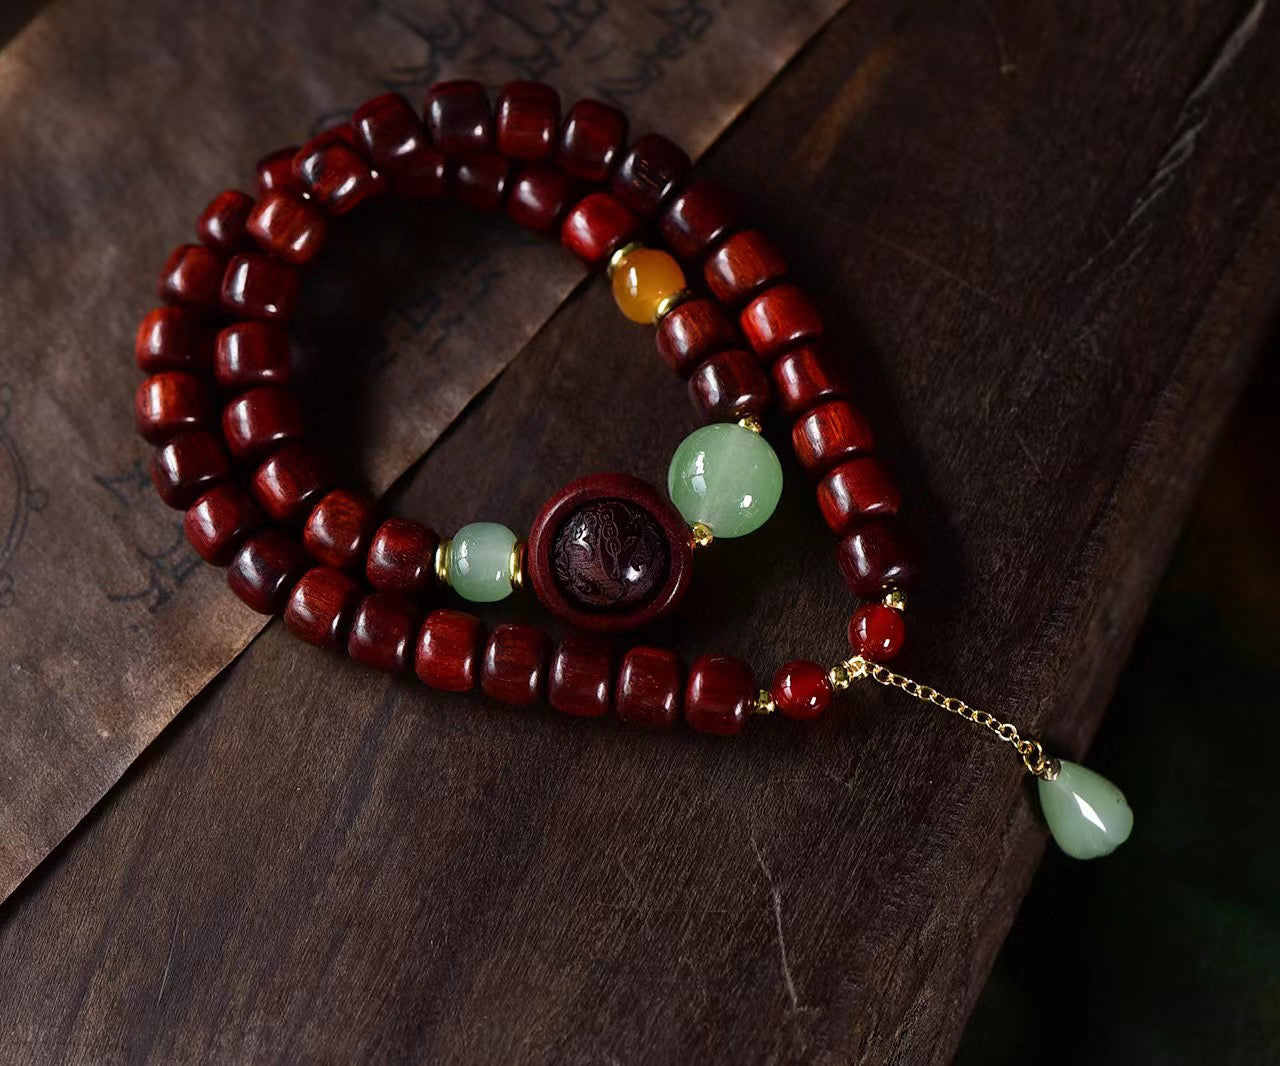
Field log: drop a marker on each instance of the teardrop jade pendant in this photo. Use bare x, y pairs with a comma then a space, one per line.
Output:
1087, 814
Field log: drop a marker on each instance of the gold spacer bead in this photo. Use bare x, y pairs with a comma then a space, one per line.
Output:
516, 565
442, 560
668, 304
752, 423
620, 254
897, 600
763, 703
839, 677
701, 535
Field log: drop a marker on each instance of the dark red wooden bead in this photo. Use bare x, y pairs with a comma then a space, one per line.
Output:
801, 689
528, 116
397, 142
595, 226
729, 386
335, 171
217, 523
719, 694
692, 332
743, 265
288, 228
650, 687
188, 465
650, 173
458, 117
289, 482
874, 560
855, 490
515, 663
779, 318
265, 569
275, 173
321, 607
252, 353
806, 376
173, 338
581, 677
591, 140
449, 650
337, 531
700, 216
539, 197
480, 180
876, 632
221, 225
192, 276
258, 420
829, 434
257, 286
383, 631
402, 557
170, 403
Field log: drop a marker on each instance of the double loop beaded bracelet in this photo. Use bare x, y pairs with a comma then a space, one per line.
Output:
608, 552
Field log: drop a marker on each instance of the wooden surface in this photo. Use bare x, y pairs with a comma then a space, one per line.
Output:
1046, 237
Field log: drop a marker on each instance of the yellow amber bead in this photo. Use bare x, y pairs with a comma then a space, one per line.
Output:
642, 279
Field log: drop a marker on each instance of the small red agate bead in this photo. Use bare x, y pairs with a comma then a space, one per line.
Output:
801, 689
876, 632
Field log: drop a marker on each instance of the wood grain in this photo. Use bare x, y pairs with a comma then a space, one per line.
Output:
1046, 237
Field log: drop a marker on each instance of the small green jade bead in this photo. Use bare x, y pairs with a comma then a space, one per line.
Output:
727, 477
1087, 814
480, 562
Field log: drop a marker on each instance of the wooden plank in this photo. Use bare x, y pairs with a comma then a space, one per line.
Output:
1046, 237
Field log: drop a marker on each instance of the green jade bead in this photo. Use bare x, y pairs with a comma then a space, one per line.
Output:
480, 562
1087, 814
727, 477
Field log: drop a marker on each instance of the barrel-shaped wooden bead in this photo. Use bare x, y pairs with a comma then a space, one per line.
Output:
649, 173
192, 276
479, 180
692, 332
173, 338
580, 681
596, 226
289, 482
539, 197
649, 691
170, 403
591, 140
258, 420
728, 386
321, 607
875, 560
252, 353
779, 318
527, 120
855, 490
449, 650
805, 377
701, 215
275, 173
402, 557
458, 117
719, 694
515, 663
338, 529
383, 631
829, 434
333, 169
217, 523
287, 227
265, 569
745, 263
397, 142
186, 466
222, 224
257, 286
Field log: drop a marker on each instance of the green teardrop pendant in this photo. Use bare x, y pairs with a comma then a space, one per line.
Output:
1087, 814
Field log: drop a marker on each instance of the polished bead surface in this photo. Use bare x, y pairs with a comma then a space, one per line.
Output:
258, 420
480, 180
396, 141
805, 377
252, 353
642, 279
458, 117
275, 173
192, 277
217, 523
649, 173
257, 286
727, 478
698, 217
801, 689
335, 171
743, 265
265, 569
580, 681
527, 119
338, 529
480, 562
188, 465
221, 225
829, 434
728, 386
719, 694
515, 663
875, 561
287, 227
596, 226
402, 557
692, 332
592, 139
877, 632
1087, 815
321, 607
170, 403
779, 318
173, 338
855, 490
289, 482
449, 649
650, 687
383, 631
539, 197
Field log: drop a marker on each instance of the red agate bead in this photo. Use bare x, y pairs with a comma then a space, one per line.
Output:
801, 689
876, 632
719, 694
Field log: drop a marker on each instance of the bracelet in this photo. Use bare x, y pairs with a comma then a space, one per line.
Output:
608, 552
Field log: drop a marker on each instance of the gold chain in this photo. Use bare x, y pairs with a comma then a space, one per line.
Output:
1033, 756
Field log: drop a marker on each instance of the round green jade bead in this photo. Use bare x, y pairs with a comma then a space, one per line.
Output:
480, 562
727, 477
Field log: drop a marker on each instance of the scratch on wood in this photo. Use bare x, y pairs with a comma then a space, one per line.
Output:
1007, 65
777, 917
168, 962
936, 267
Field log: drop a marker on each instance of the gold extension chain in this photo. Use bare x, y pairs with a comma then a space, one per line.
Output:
1033, 756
